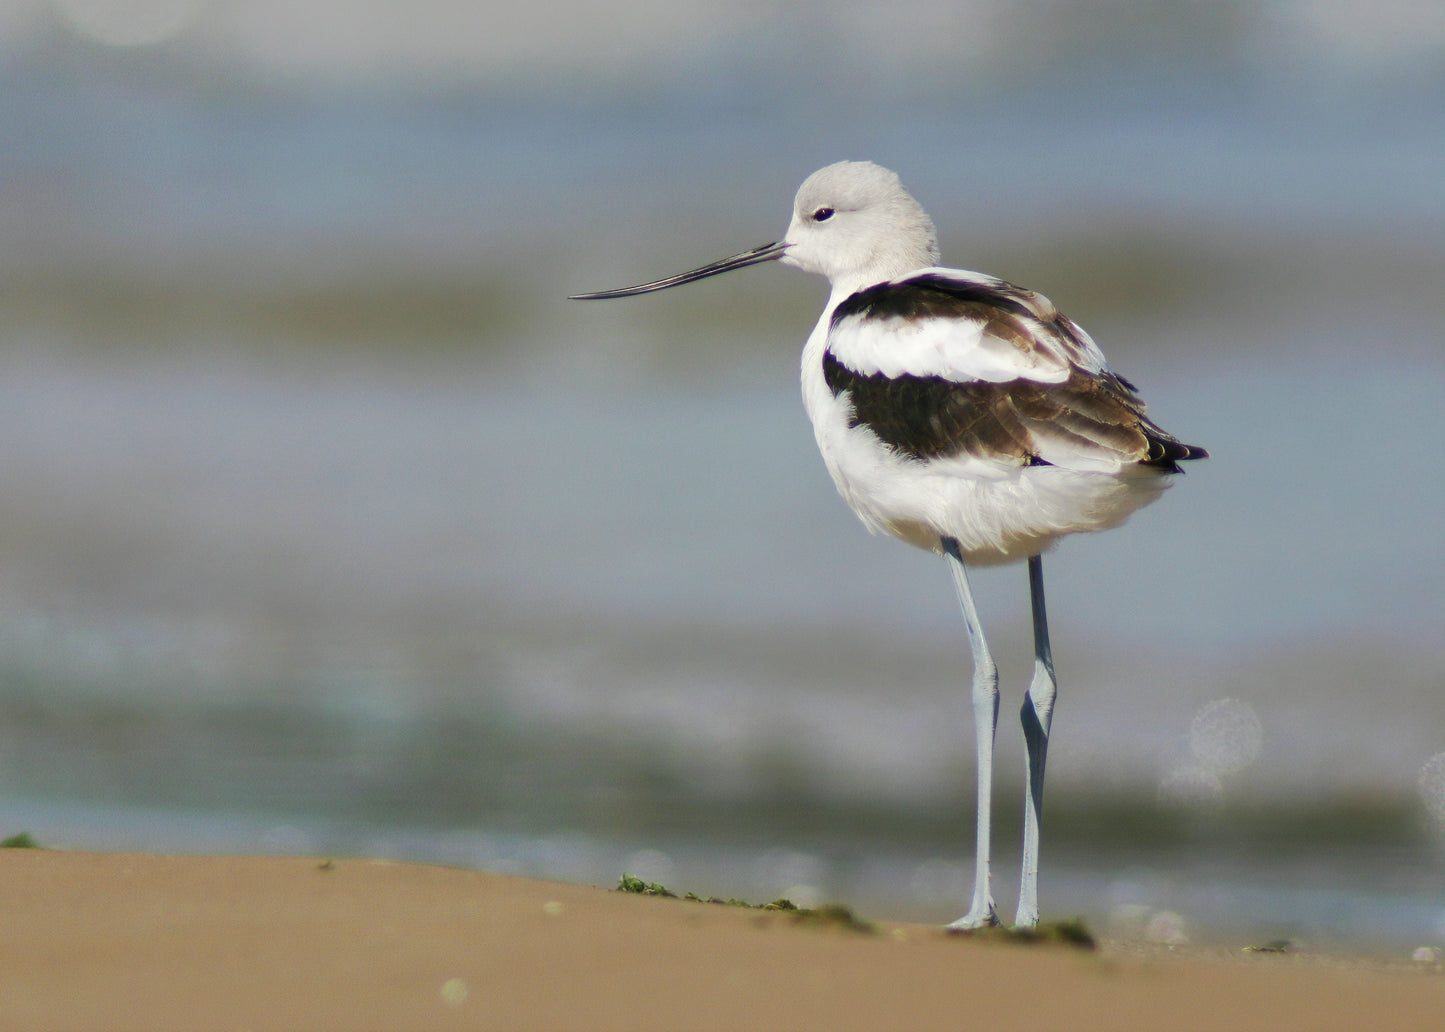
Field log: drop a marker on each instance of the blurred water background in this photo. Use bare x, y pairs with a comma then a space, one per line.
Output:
328, 526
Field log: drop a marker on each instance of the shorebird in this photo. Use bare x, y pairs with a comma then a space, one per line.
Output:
964, 415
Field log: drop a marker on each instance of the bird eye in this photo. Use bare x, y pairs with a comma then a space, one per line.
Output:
822, 214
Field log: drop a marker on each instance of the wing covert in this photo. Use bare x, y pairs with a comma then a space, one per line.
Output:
959, 326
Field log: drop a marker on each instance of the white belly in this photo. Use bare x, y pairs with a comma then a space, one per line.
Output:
998, 512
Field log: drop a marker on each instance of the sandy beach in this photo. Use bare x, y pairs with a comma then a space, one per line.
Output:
127, 941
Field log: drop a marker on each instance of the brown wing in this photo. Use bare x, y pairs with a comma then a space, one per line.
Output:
1090, 420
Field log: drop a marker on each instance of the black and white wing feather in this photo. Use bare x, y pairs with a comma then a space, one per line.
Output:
943, 364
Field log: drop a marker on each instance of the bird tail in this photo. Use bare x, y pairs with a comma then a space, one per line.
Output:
1166, 451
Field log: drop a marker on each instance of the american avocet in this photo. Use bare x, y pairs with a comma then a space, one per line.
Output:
964, 415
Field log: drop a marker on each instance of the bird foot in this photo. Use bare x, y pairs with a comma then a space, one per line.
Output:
976, 918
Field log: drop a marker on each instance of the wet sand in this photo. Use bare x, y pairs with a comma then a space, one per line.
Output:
125, 941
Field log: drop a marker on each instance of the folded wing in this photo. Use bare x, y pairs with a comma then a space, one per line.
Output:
942, 364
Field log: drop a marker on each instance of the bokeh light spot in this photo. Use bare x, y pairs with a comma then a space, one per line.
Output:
1431, 784
1225, 736
128, 23
454, 992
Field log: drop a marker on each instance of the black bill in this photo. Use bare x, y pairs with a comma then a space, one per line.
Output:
766, 253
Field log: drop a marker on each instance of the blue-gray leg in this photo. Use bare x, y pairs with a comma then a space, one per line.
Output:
985, 723
1037, 713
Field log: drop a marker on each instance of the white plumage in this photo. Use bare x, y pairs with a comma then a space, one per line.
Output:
961, 414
